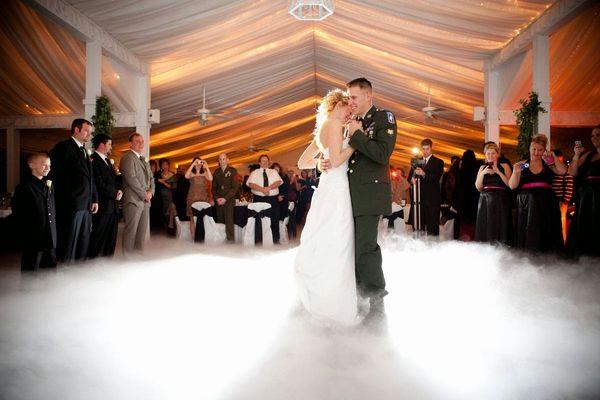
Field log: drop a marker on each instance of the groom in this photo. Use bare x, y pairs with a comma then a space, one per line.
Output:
372, 133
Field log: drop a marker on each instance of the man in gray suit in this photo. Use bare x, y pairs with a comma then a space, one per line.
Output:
138, 189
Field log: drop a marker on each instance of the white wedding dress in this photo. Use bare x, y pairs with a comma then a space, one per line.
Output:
324, 265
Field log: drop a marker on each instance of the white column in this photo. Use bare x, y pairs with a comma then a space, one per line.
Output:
93, 77
13, 155
491, 102
541, 80
142, 105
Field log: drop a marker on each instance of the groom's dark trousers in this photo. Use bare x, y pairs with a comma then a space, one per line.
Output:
369, 179
369, 274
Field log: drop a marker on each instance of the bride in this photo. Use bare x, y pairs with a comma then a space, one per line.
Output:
324, 265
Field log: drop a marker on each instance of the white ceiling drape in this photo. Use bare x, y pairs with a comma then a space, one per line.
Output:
264, 70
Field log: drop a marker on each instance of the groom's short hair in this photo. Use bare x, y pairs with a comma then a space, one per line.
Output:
362, 83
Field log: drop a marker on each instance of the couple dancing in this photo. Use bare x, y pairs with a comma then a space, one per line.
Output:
339, 257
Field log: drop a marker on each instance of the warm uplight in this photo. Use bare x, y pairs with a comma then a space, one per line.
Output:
415, 150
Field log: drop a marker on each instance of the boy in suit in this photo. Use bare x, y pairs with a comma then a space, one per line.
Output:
34, 210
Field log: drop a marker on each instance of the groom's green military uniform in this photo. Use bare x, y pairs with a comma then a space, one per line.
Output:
370, 190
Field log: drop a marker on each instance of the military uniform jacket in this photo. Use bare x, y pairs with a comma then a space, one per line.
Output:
368, 167
224, 183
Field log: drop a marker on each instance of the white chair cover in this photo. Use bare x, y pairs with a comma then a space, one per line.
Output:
182, 229
399, 223
248, 231
213, 233
283, 225
447, 230
237, 230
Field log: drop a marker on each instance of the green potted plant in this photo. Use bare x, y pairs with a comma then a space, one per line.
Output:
527, 121
103, 120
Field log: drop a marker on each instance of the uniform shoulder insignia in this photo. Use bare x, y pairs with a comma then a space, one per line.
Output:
390, 117
390, 131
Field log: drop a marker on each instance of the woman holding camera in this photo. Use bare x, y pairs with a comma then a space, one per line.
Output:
584, 235
199, 175
494, 218
538, 216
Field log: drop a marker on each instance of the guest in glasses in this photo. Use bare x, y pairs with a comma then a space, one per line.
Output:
538, 226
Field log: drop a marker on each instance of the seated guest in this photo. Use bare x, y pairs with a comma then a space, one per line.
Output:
538, 217
106, 221
167, 182
494, 215
199, 176
584, 235
224, 188
264, 183
33, 208
429, 174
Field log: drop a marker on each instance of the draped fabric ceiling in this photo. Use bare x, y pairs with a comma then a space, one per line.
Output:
265, 71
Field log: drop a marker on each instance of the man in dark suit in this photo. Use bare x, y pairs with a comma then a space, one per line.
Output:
76, 197
33, 208
429, 175
105, 221
224, 188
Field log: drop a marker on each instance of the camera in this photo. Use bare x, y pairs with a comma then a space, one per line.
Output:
489, 165
417, 163
578, 143
524, 166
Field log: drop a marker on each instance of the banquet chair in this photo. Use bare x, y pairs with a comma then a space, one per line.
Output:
258, 213
207, 230
182, 229
237, 230
394, 221
283, 225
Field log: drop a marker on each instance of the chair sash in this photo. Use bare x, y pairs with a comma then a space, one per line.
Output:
393, 216
258, 227
200, 233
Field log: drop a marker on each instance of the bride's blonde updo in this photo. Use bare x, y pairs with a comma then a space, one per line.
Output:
331, 99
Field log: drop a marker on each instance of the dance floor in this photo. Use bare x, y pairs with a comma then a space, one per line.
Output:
185, 321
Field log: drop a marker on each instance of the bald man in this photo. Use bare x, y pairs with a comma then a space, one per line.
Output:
224, 188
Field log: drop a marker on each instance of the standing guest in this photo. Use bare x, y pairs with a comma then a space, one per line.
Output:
264, 183
538, 218
225, 186
400, 185
494, 215
307, 190
294, 185
167, 183
430, 175
180, 193
76, 197
563, 186
155, 204
284, 190
449, 182
199, 176
106, 221
33, 208
584, 235
467, 195
138, 189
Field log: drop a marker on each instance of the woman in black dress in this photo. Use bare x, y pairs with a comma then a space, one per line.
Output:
538, 217
494, 218
584, 234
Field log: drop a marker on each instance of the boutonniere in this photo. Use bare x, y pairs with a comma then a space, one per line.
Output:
227, 174
49, 183
112, 161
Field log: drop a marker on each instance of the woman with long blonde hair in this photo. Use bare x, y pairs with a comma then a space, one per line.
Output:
324, 265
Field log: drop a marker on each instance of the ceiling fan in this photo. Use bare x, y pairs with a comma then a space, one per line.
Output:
254, 149
203, 113
431, 112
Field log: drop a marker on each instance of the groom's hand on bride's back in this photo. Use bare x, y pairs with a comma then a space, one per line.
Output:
323, 164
